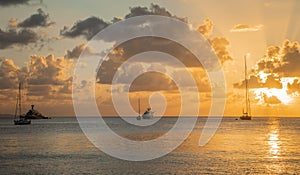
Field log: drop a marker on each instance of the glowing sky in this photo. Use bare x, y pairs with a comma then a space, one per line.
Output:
41, 40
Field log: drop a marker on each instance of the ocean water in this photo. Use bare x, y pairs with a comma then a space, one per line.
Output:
58, 146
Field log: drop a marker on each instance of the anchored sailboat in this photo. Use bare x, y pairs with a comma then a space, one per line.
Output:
247, 110
19, 119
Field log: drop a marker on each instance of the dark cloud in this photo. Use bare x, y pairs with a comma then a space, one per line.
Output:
13, 2
277, 63
255, 82
41, 19
92, 25
152, 81
293, 87
271, 100
13, 37
154, 9
130, 48
284, 60
290, 60
39, 90
87, 28
144, 44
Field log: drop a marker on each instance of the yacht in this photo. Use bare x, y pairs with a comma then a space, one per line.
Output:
247, 110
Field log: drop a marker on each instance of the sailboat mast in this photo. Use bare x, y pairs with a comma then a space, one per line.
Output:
17, 105
139, 106
247, 91
19, 100
246, 84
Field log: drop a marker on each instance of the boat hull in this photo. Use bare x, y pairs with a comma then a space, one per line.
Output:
147, 115
245, 118
22, 122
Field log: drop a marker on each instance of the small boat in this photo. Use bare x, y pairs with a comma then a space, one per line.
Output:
247, 112
148, 114
20, 119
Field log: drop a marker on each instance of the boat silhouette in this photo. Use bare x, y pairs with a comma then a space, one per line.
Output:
20, 119
247, 110
148, 114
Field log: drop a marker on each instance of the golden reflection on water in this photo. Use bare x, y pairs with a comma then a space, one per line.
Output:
273, 139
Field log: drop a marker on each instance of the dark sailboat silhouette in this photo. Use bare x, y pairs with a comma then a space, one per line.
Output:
19, 119
247, 110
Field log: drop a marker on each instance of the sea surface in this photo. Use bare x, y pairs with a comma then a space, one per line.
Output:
58, 146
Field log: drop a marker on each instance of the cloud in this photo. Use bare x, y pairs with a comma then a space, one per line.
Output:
294, 87
276, 75
39, 90
246, 28
153, 81
13, 37
206, 28
9, 77
13, 2
277, 63
87, 28
40, 19
154, 9
144, 44
271, 100
220, 46
255, 82
76, 51
284, 60
44, 77
48, 70
92, 25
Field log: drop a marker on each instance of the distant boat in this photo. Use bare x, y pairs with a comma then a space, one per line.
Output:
247, 110
148, 114
19, 119
34, 114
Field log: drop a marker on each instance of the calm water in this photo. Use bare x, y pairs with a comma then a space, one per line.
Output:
58, 146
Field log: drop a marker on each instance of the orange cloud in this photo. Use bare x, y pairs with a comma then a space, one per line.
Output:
246, 28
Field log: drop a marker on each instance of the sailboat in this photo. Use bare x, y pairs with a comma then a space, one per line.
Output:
247, 111
148, 114
19, 119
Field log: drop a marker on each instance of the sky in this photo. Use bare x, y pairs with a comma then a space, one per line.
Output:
41, 40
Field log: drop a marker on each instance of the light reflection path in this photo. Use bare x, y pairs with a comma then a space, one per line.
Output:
273, 139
